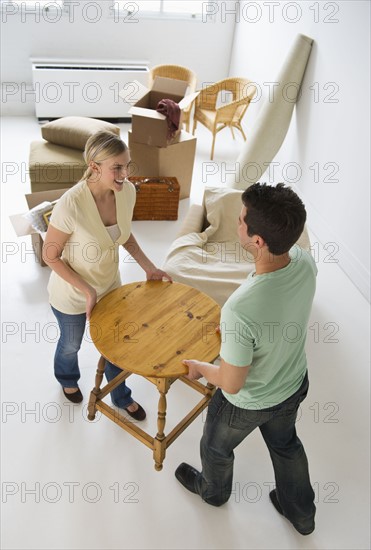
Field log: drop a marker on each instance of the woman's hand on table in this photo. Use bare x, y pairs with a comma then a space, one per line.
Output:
157, 275
91, 300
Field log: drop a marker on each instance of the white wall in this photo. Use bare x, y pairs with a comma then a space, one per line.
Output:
331, 136
204, 46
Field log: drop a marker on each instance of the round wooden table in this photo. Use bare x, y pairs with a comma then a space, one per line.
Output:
148, 328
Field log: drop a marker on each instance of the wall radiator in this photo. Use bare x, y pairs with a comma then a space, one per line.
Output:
82, 88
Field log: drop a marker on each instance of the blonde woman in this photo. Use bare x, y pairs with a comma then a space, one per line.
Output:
87, 226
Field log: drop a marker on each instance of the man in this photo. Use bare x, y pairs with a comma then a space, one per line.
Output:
262, 376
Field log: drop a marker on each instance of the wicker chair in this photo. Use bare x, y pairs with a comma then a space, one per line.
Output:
214, 117
179, 73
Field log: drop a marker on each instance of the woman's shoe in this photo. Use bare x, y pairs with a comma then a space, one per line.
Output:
75, 397
139, 414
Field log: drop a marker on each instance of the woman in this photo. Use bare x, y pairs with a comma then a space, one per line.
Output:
88, 224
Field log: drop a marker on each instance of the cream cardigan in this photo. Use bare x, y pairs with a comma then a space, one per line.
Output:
90, 251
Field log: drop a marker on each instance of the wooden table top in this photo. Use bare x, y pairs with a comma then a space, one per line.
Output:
149, 327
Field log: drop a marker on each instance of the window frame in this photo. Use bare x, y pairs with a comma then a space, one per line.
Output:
116, 12
113, 12
31, 5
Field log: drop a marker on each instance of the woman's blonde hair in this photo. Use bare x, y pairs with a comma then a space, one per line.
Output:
101, 146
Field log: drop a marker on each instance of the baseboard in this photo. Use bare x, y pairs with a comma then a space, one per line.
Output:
120, 120
347, 261
17, 108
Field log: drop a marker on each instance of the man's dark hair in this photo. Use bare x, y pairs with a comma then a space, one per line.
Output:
276, 214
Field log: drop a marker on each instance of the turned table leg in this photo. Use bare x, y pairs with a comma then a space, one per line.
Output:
95, 392
159, 444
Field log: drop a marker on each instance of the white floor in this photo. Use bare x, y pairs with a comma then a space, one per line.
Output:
68, 483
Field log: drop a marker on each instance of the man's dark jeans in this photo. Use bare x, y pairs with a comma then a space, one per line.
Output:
226, 426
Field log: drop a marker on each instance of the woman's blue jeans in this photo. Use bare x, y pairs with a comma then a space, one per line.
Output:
227, 426
66, 366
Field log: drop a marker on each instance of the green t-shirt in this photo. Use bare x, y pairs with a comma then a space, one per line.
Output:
264, 325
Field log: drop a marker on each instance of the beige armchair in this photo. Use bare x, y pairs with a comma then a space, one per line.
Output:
215, 117
206, 253
179, 73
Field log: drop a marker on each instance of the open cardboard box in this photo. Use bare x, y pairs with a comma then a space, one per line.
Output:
149, 126
23, 227
176, 160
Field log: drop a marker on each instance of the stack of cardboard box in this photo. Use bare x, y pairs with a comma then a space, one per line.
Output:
152, 152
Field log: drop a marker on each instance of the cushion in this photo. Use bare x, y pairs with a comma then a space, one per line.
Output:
74, 131
222, 206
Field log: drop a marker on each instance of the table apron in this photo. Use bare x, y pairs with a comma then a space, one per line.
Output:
126, 424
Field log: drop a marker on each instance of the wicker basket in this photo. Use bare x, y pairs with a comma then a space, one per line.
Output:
157, 198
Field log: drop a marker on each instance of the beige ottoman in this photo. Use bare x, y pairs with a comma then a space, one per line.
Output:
57, 161
54, 167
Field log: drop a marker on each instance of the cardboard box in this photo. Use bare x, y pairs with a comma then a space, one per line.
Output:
176, 160
149, 126
23, 227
